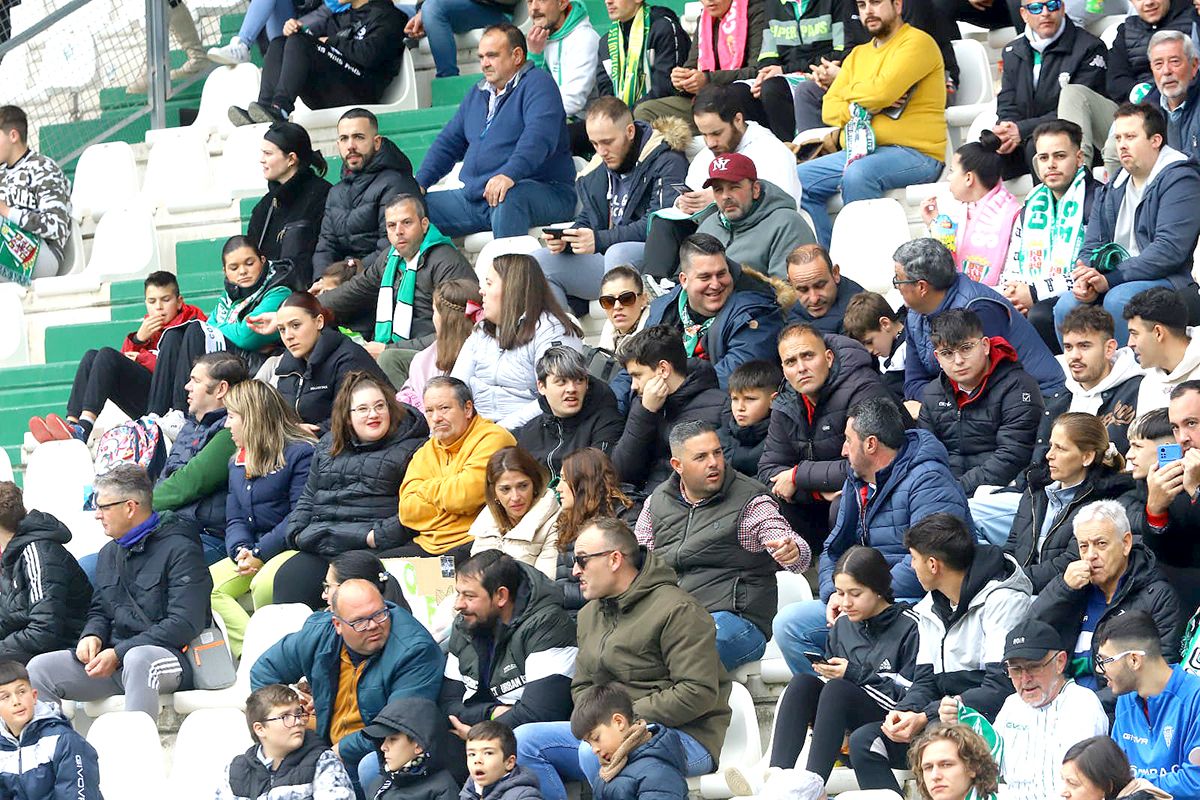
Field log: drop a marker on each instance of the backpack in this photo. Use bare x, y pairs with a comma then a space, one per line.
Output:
137, 442
602, 364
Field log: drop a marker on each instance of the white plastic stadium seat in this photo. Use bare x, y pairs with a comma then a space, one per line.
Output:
130, 755
87, 534
742, 746
500, 247
868, 259
14, 340
224, 87
6, 470
976, 90
208, 740
400, 95
57, 475
239, 169
124, 247
74, 258
179, 175
105, 176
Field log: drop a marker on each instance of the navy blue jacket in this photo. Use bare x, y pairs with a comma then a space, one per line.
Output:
999, 318
257, 509
194, 436
526, 139
832, 321
31, 771
916, 484
653, 771
1183, 124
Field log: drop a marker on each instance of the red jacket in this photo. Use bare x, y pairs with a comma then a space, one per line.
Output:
147, 352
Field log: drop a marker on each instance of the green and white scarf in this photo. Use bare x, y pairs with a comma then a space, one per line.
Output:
979, 723
576, 13
692, 333
630, 67
394, 309
860, 136
1052, 231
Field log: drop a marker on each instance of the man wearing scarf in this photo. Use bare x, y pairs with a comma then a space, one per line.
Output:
563, 42
639, 52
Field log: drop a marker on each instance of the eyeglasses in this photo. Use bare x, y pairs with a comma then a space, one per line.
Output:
608, 301
948, 353
1101, 665
1020, 670
107, 506
291, 720
897, 283
582, 559
364, 411
1049, 5
359, 625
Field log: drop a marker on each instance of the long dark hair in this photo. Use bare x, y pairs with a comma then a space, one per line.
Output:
593, 480
1102, 762
527, 296
983, 158
514, 459
868, 567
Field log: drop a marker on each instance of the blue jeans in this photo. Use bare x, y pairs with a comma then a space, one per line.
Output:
1114, 301
555, 756
738, 639
579, 276
444, 18
528, 203
369, 774
800, 628
889, 167
269, 14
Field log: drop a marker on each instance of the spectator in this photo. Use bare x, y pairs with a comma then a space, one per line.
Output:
725, 539
926, 279
1152, 696
1174, 64
658, 636
1152, 245
451, 327
44, 595
984, 406
363, 565
65, 764
266, 479
803, 461
1050, 47
328, 60
589, 488
961, 652
1146, 434
1171, 492
626, 306
336, 274
181, 26
883, 150
1112, 576
123, 377
520, 321
912, 481
412, 739
520, 512
444, 488
510, 134
1166, 348
512, 647
872, 322
822, 292
35, 196
263, 23
669, 389
350, 500
633, 175
577, 411
492, 760
1048, 234
953, 762
285, 753
1097, 769
639, 53
286, 222
1082, 467
979, 235
400, 657
753, 388
1044, 717
563, 42
151, 600
374, 171
441, 19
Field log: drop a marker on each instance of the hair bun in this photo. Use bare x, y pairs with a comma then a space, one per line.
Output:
989, 141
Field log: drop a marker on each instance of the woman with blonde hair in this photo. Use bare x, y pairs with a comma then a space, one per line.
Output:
521, 512
452, 324
953, 762
266, 477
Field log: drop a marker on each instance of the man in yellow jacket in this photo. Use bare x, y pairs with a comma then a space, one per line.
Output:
889, 99
443, 489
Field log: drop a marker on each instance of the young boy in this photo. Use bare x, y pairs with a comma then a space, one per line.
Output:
288, 754
69, 770
492, 771
871, 320
122, 377
636, 759
411, 733
752, 387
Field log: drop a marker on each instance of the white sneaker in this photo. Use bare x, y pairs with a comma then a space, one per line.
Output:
232, 54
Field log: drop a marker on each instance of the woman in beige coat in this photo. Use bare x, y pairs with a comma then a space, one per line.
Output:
521, 512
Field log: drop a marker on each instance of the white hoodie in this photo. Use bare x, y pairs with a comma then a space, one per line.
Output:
1157, 385
1088, 401
772, 159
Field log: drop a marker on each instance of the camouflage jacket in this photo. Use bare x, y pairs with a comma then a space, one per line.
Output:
39, 196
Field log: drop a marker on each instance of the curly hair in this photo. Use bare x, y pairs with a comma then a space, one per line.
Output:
973, 751
593, 480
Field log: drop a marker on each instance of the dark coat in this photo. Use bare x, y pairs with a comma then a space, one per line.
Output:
44, 594
573, 598
1118, 410
666, 39
371, 38
310, 384
880, 652
795, 45
286, 222
195, 435
1129, 59
832, 321
49, 759
422, 722
743, 447
653, 771
250, 778
756, 24
257, 509
1183, 124
550, 439
520, 784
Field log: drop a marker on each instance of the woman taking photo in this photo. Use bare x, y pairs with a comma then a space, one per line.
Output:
521, 320
521, 512
953, 762
1098, 769
266, 477
1081, 467
452, 326
351, 499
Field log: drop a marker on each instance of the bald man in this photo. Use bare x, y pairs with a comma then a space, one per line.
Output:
822, 294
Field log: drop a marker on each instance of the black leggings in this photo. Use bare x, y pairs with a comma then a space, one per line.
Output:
106, 374
298, 66
178, 348
830, 709
874, 756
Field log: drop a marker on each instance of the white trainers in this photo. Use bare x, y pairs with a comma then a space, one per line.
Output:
232, 54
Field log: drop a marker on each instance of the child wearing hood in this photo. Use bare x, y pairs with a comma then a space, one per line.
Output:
411, 734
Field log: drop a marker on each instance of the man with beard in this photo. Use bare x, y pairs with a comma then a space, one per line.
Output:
822, 292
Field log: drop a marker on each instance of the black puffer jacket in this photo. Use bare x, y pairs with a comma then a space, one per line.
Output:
990, 438
356, 491
44, 595
369, 39
286, 222
1059, 549
1129, 59
573, 598
250, 778
155, 592
743, 447
353, 224
598, 424
309, 385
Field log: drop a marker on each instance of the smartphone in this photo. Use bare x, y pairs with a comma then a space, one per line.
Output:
553, 233
680, 188
816, 658
1169, 454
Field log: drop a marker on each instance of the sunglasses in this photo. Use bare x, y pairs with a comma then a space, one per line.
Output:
1049, 5
608, 301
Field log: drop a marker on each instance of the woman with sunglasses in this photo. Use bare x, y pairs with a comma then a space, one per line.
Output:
626, 304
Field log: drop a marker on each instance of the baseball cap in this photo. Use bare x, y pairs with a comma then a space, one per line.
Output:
731, 167
1032, 639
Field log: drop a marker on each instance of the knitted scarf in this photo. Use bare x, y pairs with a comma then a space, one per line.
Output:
982, 244
692, 333
630, 67
730, 50
637, 736
860, 136
394, 309
1052, 230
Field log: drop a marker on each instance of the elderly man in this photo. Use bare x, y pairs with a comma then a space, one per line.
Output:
510, 133
1174, 64
822, 292
443, 489
359, 656
647, 635
150, 601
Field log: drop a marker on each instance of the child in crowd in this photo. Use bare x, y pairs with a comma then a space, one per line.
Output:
43, 757
336, 274
636, 760
492, 771
287, 754
752, 388
411, 733
871, 320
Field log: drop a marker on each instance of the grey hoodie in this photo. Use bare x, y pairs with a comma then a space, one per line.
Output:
764, 237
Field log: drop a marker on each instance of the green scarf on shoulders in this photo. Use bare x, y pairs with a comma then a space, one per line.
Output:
394, 310
576, 13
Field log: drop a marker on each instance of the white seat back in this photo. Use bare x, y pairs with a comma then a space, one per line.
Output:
105, 176
57, 475
793, 588
974, 73
178, 170
868, 259
87, 534
267, 626
125, 245
14, 339
239, 171
208, 740
6, 470
236, 86
130, 755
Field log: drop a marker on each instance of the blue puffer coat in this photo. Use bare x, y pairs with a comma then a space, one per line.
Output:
48, 760
654, 771
256, 510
